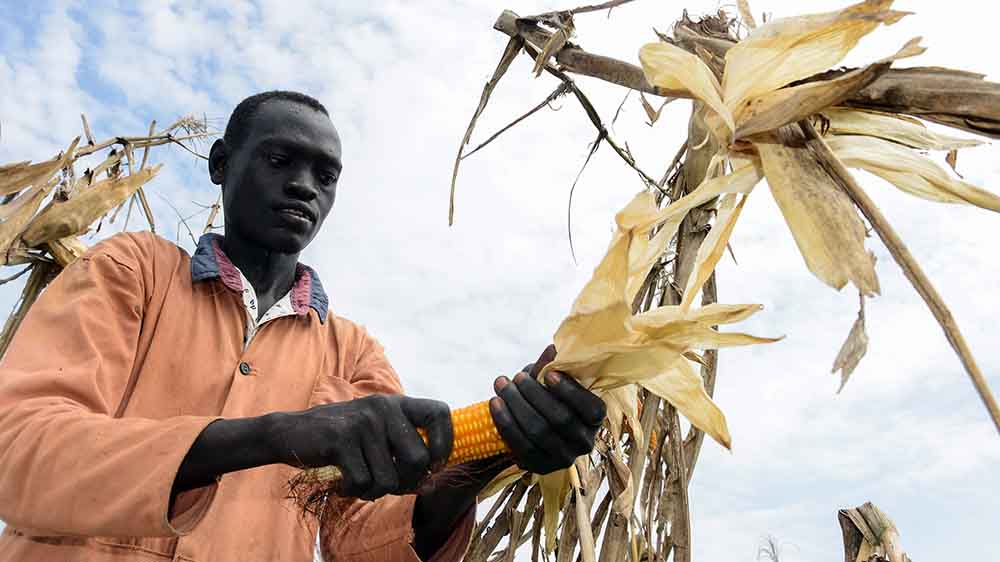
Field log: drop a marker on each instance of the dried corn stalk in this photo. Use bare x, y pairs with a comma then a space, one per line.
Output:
756, 98
50, 238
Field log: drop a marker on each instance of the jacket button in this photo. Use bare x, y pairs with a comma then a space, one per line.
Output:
244, 368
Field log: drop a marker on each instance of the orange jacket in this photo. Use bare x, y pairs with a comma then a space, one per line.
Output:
118, 367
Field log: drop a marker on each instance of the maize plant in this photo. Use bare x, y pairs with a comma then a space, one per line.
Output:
768, 107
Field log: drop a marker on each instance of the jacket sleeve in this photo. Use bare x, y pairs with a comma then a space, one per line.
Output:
68, 466
382, 530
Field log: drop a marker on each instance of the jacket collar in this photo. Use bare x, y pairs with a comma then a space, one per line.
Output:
209, 262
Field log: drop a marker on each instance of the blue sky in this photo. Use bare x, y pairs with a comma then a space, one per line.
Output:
457, 306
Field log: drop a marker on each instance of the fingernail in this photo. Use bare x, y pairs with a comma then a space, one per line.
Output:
519, 378
552, 377
501, 383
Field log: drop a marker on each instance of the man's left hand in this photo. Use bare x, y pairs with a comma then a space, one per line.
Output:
546, 426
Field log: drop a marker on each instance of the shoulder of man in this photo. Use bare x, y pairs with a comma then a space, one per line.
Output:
137, 251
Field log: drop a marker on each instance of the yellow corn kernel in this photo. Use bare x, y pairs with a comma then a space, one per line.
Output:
476, 437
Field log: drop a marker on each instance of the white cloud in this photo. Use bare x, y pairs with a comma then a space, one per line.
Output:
457, 306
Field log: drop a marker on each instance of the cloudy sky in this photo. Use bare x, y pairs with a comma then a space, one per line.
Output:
457, 306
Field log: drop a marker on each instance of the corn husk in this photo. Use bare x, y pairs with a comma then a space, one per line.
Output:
909, 171
670, 67
67, 250
713, 246
869, 534
73, 217
18, 213
772, 110
785, 50
821, 217
896, 128
22, 175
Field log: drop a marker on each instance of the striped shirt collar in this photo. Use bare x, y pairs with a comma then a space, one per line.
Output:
210, 262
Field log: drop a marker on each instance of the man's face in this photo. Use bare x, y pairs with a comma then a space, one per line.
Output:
280, 184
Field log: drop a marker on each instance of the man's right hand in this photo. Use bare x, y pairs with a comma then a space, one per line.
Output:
373, 440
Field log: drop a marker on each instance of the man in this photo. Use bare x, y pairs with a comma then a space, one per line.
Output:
153, 406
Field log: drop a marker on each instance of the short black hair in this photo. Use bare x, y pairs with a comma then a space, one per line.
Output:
239, 121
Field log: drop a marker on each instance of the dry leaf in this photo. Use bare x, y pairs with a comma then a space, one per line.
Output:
670, 67
620, 483
745, 14
853, 350
20, 212
821, 217
505, 478
67, 250
554, 487
896, 128
909, 171
952, 160
788, 105
69, 218
16, 177
713, 247
785, 50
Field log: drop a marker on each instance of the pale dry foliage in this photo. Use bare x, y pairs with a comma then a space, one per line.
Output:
769, 109
48, 207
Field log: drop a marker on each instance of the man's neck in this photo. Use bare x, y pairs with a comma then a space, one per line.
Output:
272, 274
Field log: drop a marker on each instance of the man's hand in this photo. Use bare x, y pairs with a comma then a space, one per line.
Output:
373, 440
547, 427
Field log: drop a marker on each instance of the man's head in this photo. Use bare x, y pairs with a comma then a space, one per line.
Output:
278, 164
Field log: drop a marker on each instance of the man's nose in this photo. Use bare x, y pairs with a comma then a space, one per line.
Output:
301, 185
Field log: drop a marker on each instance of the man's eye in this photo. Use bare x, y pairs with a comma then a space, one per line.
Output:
328, 178
277, 159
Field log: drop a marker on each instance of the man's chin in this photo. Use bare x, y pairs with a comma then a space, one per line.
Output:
284, 242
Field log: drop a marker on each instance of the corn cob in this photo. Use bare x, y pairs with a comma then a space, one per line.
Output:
475, 438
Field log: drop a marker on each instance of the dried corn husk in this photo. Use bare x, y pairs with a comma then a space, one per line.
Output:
73, 217
643, 251
822, 218
785, 50
909, 171
67, 250
897, 128
22, 175
19, 212
670, 67
713, 246
776, 109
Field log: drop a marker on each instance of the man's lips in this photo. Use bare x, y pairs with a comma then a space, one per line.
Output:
300, 212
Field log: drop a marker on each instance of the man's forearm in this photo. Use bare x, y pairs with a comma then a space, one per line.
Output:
439, 509
225, 446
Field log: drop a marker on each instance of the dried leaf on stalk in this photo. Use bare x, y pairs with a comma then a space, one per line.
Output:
505, 478
853, 350
713, 247
554, 487
897, 128
20, 212
785, 50
670, 67
745, 14
621, 485
67, 250
788, 105
641, 216
23, 175
909, 171
821, 217
69, 218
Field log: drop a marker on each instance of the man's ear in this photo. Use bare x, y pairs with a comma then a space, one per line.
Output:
217, 159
